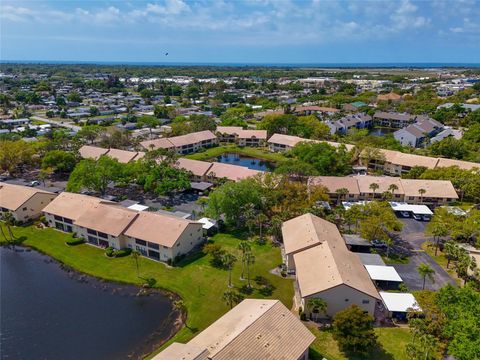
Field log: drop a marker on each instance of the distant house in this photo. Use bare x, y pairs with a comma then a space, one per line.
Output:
355, 121
183, 144
281, 142
416, 134
236, 134
123, 156
311, 110
392, 119
324, 266
391, 96
103, 223
254, 329
23, 202
354, 106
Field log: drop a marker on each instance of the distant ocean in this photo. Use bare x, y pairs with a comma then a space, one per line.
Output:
412, 65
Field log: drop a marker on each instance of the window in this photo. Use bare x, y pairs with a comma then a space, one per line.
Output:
92, 232
346, 300
365, 301
141, 250
59, 226
153, 246
178, 244
68, 221
154, 254
24, 209
68, 228
92, 240
102, 235
59, 218
140, 242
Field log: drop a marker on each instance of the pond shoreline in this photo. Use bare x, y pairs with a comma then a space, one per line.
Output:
153, 341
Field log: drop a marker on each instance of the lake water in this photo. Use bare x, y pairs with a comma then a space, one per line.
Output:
50, 313
245, 161
379, 131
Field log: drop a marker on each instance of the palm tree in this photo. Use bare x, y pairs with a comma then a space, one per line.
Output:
9, 221
465, 263
393, 188
315, 306
451, 251
244, 248
228, 261
261, 218
341, 193
249, 260
136, 256
232, 297
425, 271
421, 192
374, 187
437, 228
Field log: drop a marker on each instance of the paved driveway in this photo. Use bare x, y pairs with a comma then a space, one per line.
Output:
413, 235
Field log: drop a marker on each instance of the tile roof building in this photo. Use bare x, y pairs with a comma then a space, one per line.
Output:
23, 202
324, 266
183, 144
254, 329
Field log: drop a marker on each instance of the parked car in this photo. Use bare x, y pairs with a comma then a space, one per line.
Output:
426, 217
34, 183
417, 217
405, 214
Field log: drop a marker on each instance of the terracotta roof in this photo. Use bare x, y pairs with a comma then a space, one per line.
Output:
122, 156
231, 172
399, 158
383, 183
389, 96
305, 231
177, 351
196, 167
330, 264
287, 140
434, 188
13, 197
107, 218
158, 228
192, 138
161, 143
255, 329
465, 165
333, 183
71, 205
91, 152
315, 108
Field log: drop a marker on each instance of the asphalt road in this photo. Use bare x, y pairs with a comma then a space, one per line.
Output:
57, 123
413, 234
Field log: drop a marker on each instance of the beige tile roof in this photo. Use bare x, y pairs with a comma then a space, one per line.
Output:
13, 197
159, 228
71, 205
177, 351
107, 218
315, 108
231, 172
434, 188
192, 138
249, 134
287, 140
196, 167
255, 329
122, 156
333, 183
330, 264
91, 152
305, 231
162, 143
228, 130
399, 158
383, 182
465, 165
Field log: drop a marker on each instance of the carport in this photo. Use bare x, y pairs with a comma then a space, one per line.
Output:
398, 304
421, 210
385, 277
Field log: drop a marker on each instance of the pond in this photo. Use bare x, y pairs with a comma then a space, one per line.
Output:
381, 131
50, 313
246, 161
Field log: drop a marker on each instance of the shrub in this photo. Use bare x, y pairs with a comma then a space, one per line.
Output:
110, 251
43, 220
123, 252
74, 242
303, 316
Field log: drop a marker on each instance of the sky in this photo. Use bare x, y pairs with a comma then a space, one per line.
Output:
248, 31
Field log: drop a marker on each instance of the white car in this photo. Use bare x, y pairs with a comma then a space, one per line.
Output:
417, 217
34, 183
405, 214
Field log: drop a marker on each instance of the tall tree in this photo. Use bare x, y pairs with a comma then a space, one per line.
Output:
231, 297
228, 261
421, 192
341, 193
315, 306
374, 187
244, 248
425, 270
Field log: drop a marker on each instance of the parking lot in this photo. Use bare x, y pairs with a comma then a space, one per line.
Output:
412, 237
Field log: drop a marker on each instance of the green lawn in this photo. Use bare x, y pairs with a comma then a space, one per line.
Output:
260, 153
199, 284
441, 260
391, 340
